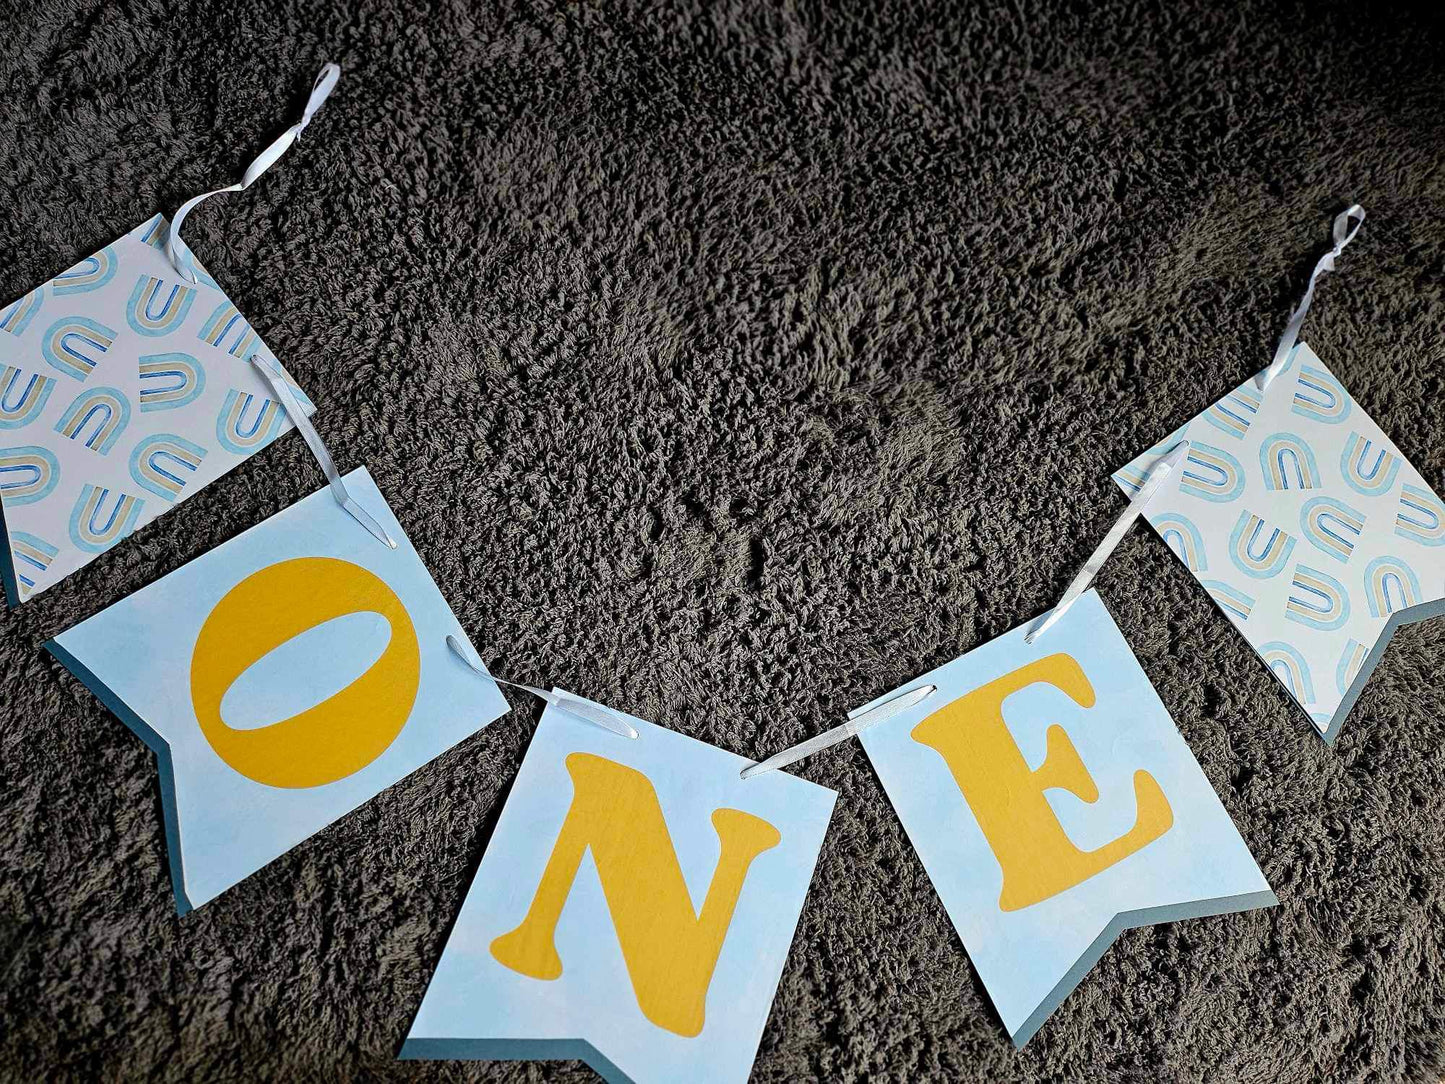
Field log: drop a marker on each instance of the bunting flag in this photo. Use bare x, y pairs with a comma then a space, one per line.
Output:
123, 390
1308, 527
634, 909
282, 679
1054, 804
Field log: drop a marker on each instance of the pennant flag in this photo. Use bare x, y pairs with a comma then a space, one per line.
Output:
282, 679
1054, 804
634, 909
1312, 532
123, 390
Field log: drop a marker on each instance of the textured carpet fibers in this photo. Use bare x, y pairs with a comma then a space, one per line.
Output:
733, 364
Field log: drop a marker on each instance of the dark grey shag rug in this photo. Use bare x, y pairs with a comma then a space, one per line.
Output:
734, 364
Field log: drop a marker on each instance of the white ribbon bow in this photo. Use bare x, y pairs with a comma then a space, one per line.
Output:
179, 252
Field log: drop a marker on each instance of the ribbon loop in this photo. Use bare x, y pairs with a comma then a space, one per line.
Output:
282, 387
177, 250
1342, 234
858, 721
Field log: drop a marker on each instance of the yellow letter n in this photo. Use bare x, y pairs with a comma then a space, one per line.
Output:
671, 951
1007, 797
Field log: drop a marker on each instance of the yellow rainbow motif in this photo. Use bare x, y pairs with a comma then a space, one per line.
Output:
1367, 467
1181, 536
164, 463
1211, 473
96, 527
1289, 666
1234, 413
1317, 599
248, 422
1287, 462
74, 344
155, 232
22, 396
168, 381
16, 316
30, 556
156, 308
1331, 526
1258, 549
1390, 585
1421, 516
1230, 599
227, 323
27, 474
96, 419
1320, 397
91, 273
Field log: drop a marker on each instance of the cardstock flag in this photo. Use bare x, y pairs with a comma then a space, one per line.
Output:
1054, 804
1308, 527
634, 909
123, 390
282, 679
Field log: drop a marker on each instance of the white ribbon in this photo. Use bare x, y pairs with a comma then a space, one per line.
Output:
179, 252
1343, 235
858, 721
588, 712
1160, 470
282, 387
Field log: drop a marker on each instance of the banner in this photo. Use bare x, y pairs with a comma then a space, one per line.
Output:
1054, 804
634, 909
1309, 529
123, 390
282, 679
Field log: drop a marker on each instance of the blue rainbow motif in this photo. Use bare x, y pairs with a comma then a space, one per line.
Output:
164, 462
30, 556
1211, 473
96, 418
1287, 462
1258, 549
155, 232
228, 323
1234, 412
1421, 516
154, 310
27, 474
1181, 536
1289, 666
93, 527
16, 316
74, 344
1390, 585
91, 273
1317, 599
1351, 659
1331, 526
1320, 397
22, 397
1368, 468
168, 381
1230, 599
248, 422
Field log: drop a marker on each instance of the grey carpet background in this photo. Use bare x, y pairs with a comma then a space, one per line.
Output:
734, 364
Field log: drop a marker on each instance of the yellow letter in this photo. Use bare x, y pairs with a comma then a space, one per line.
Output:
670, 950
345, 732
1037, 857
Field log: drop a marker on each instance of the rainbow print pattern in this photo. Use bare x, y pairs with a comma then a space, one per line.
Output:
27, 474
1313, 533
91, 273
164, 462
170, 381
1368, 468
1258, 550
16, 316
1421, 516
1331, 526
32, 557
101, 518
156, 307
120, 396
227, 325
22, 396
74, 344
96, 419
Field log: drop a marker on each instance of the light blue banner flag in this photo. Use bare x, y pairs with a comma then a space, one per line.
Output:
1054, 804
634, 909
282, 679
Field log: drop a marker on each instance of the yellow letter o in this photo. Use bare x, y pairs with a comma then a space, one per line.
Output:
345, 732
